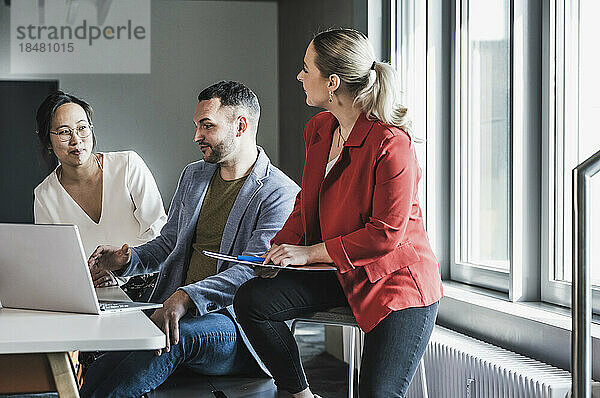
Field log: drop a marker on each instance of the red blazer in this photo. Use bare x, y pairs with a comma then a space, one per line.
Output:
367, 212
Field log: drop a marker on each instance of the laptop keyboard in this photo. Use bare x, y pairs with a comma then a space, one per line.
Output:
112, 306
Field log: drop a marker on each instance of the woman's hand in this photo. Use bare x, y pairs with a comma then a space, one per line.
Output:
286, 255
265, 272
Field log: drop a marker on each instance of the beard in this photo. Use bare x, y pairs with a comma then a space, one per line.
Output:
219, 151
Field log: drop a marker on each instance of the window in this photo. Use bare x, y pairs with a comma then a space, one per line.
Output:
482, 156
572, 137
409, 59
524, 88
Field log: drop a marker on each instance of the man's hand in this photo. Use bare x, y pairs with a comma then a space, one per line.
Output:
108, 258
104, 279
167, 318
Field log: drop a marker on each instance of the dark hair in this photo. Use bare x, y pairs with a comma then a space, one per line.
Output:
44, 116
232, 93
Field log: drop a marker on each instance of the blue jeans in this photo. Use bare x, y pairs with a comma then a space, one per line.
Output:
391, 353
208, 345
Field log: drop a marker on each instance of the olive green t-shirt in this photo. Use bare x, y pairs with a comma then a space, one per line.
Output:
216, 206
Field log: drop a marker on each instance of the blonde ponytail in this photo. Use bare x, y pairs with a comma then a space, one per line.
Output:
373, 85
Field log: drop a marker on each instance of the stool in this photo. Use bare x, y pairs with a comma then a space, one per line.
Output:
343, 316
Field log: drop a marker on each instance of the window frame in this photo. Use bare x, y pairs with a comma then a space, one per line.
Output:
475, 274
532, 186
410, 60
561, 106
517, 324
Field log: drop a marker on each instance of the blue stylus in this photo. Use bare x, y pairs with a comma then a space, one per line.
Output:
251, 258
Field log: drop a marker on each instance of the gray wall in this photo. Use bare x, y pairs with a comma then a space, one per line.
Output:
194, 43
298, 21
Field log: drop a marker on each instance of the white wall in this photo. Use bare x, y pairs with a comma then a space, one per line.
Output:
194, 44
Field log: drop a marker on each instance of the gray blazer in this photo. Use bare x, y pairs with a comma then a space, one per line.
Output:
260, 210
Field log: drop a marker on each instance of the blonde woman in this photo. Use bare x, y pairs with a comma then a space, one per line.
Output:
358, 210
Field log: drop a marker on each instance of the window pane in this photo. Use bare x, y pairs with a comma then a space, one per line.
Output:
589, 109
411, 64
488, 140
580, 146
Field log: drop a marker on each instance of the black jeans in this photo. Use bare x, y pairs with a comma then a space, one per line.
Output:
392, 350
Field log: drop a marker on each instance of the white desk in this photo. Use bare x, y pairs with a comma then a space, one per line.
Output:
26, 331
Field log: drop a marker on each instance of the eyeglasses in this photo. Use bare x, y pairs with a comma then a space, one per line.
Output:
65, 133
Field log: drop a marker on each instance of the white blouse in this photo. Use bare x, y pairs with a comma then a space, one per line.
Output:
132, 208
330, 164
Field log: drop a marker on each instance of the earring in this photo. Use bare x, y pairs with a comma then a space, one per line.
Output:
330, 97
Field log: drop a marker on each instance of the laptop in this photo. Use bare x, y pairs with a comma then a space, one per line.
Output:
43, 267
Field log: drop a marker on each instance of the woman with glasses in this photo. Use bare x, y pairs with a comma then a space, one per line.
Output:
112, 197
358, 210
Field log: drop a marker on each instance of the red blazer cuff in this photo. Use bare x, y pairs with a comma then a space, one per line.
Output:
335, 249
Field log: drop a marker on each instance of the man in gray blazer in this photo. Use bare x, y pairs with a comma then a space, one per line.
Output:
233, 201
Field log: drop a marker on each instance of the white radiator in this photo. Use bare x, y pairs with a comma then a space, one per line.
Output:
458, 366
